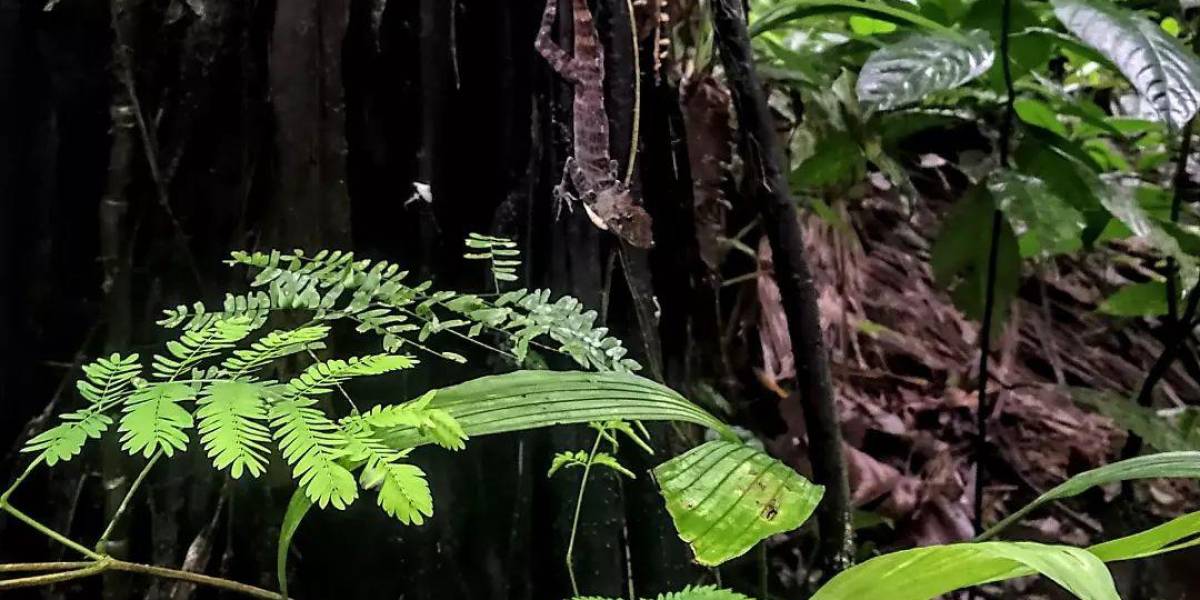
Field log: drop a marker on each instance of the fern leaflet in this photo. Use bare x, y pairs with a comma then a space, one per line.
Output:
65, 441
319, 378
312, 445
195, 346
273, 346
105, 379
442, 428
231, 415
154, 420
403, 490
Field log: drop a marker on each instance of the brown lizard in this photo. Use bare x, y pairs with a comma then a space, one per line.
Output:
591, 170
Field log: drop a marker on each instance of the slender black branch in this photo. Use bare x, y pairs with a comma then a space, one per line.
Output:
984, 410
1180, 182
780, 219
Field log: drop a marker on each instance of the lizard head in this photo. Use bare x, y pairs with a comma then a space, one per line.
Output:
624, 217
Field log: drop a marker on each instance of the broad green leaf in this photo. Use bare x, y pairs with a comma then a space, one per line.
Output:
725, 497
1069, 178
1044, 223
836, 161
1159, 432
922, 64
929, 572
1156, 540
1147, 299
1162, 70
960, 257
1039, 114
867, 26
531, 399
1166, 464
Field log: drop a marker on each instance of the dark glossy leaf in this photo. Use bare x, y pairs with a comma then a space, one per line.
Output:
922, 64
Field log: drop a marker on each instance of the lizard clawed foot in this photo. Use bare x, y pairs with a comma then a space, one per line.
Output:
562, 198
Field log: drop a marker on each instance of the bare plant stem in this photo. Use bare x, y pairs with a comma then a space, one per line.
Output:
587, 470
983, 410
48, 532
124, 506
43, 566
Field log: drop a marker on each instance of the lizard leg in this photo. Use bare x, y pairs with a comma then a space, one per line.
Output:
562, 195
554, 54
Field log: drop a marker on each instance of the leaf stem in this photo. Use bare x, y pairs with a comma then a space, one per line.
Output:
43, 566
48, 532
12, 488
1179, 183
124, 506
587, 469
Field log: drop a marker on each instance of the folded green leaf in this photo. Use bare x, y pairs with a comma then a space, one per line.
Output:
929, 572
1166, 464
725, 497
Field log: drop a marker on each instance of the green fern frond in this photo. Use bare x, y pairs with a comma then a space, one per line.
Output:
255, 307
312, 445
275, 345
319, 378
231, 417
434, 422
195, 346
105, 379
579, 458
65, 441
501, 252
154, 420
403, 490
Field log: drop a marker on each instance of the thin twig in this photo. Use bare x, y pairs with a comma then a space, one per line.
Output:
124, 506
587, 469
983, 409
43, 566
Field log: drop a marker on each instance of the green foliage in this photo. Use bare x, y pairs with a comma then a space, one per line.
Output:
502, 253
65, 440
1176, 432
1148, 299
106, 379
311, 443
231, 417
691, 592
580, 458
1161, 69
154, 420
929, 572
960, 262
196, 345
921, 64
1167, 464
725, 497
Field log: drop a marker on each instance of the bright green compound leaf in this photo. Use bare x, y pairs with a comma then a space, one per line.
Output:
1166, 464
725, 497
1162, 70
233, 427
929, 572
155, 421
1148, 299
922, 64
